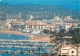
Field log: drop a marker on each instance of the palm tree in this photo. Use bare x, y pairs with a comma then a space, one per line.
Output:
51, 38
43, 52
13, 53
22, 53
29, 52
33, 52
0, 51
39, 50
50, 53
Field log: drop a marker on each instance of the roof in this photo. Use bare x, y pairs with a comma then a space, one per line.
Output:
78, 44
67, 37
69, 47
40, 24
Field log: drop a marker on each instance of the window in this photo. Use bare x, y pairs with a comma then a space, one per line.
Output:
60, 50
72, 55
72, 51
67, 43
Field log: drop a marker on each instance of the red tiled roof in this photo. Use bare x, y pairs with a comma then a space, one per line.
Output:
40, 24
78, 44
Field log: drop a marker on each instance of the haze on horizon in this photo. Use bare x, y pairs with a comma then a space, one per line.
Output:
73, 4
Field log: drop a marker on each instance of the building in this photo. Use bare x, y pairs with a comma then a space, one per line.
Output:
78, 48
68, 19
67, 48
55, 24
38, 25
14, 16
15, 24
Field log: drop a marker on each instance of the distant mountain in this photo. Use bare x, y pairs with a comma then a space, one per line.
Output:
38, 11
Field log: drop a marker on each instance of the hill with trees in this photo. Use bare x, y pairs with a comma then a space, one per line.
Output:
38, 11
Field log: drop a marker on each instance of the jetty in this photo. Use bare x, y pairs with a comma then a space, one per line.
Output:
8, 40
5, 43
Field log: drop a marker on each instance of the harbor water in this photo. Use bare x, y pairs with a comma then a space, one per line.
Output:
19, 48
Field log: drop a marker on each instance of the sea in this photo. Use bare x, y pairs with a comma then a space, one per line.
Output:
21, 37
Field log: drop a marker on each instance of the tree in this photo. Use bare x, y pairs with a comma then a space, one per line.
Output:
33, 52
22, 53
77, 30
76, 37
29, 52
75, 34
47, 31
13, 53
62, 33
39, 50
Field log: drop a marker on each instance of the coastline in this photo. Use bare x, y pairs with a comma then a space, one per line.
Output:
32, 37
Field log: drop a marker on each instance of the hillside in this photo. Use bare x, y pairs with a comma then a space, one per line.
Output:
38, 11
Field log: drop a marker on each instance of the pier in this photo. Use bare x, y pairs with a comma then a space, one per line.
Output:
8, 40
24, 44
28, 45
21, 52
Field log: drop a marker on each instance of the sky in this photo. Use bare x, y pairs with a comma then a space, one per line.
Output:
73, 4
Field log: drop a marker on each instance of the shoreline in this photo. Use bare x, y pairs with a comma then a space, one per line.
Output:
32, 37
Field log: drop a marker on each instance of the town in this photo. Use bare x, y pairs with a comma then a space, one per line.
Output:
61, 43
15, 23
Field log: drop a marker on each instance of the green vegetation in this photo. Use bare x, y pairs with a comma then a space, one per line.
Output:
38, 11
73, 33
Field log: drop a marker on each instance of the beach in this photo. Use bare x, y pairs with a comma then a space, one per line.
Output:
32, 37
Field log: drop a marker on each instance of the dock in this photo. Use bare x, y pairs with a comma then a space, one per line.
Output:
25, 44
8, 40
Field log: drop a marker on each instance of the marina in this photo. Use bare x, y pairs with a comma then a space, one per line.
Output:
22, 44
23, 47
39, 28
